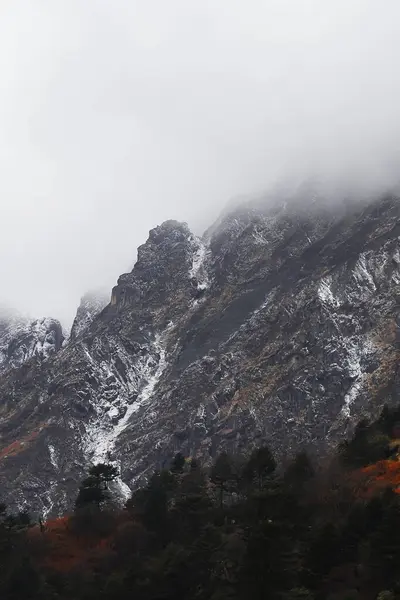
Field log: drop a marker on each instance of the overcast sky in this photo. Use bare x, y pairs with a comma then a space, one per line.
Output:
118, 114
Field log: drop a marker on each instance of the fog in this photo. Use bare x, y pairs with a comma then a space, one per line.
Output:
118, 114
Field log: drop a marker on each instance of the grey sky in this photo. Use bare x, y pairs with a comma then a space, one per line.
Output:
118, 114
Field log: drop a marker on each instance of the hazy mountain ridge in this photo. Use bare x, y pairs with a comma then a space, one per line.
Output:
90, 306
280, 324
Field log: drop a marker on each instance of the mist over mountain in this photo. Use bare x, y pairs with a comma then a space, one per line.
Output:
117, 116
280, 324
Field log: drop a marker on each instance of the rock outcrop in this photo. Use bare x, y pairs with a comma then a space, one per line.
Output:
90, 306
22, 339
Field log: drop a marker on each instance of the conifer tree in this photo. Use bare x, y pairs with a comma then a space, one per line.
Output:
260, 466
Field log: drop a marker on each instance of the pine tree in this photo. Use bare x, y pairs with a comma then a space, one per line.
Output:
223, 476
260, 466
191, 504
151, 504
271, 563
94, 489
105, 473
385, 542
299, 471
323, 553
178, 463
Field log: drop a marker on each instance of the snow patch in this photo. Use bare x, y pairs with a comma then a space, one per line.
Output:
396, 260
361, 273
201, 411
198, 269
113, 412
259, 238
53, 456
357, 351
396, 257
121, 489
47, 500
325, 292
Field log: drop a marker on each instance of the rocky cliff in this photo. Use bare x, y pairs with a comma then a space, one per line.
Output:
90, 306
22, 339
280, 324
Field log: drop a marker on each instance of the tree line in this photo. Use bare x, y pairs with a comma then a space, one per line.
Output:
244, 528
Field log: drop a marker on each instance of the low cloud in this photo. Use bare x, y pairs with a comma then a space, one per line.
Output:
117, 115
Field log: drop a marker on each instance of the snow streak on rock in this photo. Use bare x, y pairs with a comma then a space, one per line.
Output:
325, 292
53, 456
361, 273
355, 372
102, 434
253, 317
358, 353
198, 270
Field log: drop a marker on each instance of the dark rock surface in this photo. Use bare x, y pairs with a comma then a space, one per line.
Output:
90, 306
281, 324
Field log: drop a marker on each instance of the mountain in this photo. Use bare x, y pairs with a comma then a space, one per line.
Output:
280, 324
22, 339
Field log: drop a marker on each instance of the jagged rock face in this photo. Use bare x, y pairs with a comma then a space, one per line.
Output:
280, 325
159, 287
22, 339
90, 306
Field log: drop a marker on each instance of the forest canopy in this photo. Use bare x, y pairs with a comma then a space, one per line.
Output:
244, 528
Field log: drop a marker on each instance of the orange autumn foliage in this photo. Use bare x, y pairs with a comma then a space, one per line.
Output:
19, 445
382, 474
63, 549
11, 450
373, 479
362, 483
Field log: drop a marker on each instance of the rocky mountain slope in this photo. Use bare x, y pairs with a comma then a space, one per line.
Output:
280, 324
22, 339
